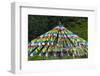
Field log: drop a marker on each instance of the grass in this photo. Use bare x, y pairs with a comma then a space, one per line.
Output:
34, 58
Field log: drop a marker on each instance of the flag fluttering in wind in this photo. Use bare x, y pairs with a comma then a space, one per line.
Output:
58, 42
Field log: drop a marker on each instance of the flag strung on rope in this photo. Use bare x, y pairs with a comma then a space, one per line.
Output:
58, 40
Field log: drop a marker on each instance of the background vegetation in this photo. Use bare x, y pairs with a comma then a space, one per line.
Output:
39, 24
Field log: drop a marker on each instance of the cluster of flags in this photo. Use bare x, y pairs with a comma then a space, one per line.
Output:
58, 42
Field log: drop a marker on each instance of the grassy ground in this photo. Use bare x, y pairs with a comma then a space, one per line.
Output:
32, 58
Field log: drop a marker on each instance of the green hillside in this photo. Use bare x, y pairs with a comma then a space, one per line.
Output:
39, 24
